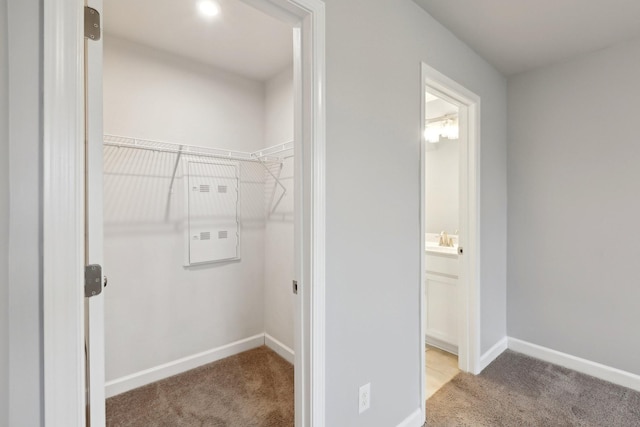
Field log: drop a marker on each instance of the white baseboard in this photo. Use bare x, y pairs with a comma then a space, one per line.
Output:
416, 419
493, 353
139, 379
275, 345
603, 372
442, 345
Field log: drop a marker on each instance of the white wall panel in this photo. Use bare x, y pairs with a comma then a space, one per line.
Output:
212, 193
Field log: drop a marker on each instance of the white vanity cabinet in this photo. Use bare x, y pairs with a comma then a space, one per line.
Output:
441, 296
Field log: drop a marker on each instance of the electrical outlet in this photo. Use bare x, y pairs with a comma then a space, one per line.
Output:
364, 401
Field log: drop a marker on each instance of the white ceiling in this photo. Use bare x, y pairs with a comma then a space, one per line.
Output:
518, 35
241, 39
437, 107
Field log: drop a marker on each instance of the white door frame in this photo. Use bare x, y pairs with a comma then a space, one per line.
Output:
63, 208
469, 232
94, 225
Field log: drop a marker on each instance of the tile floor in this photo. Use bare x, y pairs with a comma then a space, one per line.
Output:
441, 368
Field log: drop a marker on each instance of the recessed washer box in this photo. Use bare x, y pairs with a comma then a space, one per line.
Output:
213, 228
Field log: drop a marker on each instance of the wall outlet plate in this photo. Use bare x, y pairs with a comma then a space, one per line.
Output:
364, 400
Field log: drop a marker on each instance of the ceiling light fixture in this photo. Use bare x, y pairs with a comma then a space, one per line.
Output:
208, 8
445, 127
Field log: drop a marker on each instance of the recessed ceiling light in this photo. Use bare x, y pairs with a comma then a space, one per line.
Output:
208, 8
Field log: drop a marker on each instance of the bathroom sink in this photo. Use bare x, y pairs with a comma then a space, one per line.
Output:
434, 247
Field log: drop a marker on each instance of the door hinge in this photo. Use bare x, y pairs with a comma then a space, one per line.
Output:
295, 287
91, 23
92, 280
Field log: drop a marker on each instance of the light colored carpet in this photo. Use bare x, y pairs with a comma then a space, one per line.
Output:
516, 390
251, 389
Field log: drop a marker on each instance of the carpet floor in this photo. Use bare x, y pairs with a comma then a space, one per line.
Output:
516, 390
251, 389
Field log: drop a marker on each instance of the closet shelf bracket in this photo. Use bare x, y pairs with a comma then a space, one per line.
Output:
173, 179
277, 180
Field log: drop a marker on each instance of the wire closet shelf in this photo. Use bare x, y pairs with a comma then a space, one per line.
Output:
276, 153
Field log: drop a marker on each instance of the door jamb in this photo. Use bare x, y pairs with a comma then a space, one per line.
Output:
63, 208
469, 309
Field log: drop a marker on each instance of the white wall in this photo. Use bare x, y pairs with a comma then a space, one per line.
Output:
442, 176
278, 120
442, 186
574, 207
25, 210
4, 219
279, 252
438, 108
374, 49
202, 106
156, 310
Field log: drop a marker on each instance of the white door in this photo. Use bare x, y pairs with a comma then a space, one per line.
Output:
94, 305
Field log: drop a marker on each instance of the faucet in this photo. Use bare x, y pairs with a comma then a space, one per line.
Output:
445, 240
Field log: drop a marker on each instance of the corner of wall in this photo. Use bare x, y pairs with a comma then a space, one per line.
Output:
4, 219
544, 280
492, 354
278, 303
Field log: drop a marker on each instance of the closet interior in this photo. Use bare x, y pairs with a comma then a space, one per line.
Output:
198, 199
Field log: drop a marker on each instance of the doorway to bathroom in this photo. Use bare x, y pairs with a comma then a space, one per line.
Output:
442, 194
449, 248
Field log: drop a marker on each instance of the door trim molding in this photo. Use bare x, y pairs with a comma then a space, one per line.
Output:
63, 208
469, 274
63, 213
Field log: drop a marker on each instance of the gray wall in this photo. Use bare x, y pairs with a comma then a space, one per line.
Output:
374, 49
25, 236
4, 220
373, 254
574, 207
